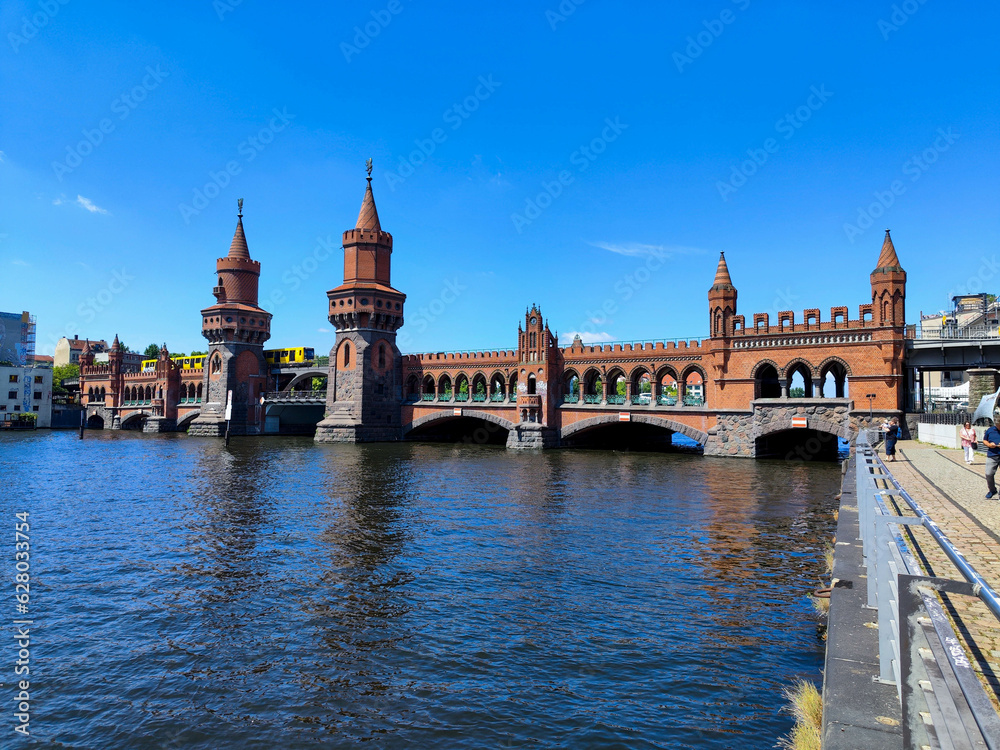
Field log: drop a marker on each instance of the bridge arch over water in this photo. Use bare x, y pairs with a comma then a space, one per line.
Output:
472, 425
819, 440
575, 430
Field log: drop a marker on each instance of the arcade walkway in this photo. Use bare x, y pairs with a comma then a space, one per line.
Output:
953, 494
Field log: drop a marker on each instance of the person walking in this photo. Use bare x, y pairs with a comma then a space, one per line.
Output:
968, 436
992, 442
891, 436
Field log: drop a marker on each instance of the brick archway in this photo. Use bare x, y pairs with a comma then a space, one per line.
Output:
445, 416
784, 423
655, 421
184, 422
303, 376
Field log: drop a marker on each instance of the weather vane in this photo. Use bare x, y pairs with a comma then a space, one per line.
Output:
368, 166
239, 202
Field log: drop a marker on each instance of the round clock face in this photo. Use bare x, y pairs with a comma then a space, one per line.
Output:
533, 320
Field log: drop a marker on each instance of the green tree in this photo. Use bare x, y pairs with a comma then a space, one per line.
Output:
797, 392
151, 352
464, 388
620, 387
197, 354
61, 372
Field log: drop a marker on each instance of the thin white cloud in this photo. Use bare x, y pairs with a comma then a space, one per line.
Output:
3, 157
58, 201
323, 330
19, 262
597, 337
89, 205
640, 250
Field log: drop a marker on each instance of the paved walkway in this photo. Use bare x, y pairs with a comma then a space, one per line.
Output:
953, 494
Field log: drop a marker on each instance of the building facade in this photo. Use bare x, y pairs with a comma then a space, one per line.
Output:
26, 390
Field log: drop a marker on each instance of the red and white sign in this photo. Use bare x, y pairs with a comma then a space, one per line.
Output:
800, 422
456, 412
624, 416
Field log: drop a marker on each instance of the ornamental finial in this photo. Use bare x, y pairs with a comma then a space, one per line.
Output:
368, 167
239, 203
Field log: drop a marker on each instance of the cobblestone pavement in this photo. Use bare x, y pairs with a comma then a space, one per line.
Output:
953, 494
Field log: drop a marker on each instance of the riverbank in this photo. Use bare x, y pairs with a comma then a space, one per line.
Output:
858, 712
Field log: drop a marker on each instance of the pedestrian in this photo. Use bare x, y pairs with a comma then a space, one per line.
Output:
992, 442
891, 436
968, 436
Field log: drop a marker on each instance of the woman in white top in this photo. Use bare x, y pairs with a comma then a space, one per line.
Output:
968, 436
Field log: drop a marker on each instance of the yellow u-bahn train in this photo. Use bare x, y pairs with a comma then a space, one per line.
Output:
291, 356
185, 363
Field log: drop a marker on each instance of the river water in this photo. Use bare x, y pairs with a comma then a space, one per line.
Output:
280, 594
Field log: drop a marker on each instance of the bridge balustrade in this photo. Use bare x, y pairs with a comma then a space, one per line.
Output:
461, 396
917, 642
479, 397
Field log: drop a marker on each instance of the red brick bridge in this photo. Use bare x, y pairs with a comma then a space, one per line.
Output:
731, 392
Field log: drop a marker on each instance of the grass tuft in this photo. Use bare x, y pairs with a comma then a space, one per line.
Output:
806, 705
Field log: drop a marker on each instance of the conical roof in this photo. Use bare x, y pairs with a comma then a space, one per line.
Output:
368, 216
115, 346
722, 279
888, 258
238, 247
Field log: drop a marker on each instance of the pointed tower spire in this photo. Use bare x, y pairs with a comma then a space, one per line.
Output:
238, 247
888, 258
368, 216
722, 301
116, 346
722, 278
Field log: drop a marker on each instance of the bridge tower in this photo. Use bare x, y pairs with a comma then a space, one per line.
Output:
889, 313
365, 384
721, 301
236, 328
537, 378
888, 287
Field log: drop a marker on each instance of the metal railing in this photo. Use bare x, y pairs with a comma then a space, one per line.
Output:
953, 333
922, 657
295, 396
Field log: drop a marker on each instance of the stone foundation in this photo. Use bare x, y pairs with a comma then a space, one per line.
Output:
532, 436
159, 424
329, 431
736, 433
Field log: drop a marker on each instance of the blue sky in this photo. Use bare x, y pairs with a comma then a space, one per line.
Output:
591, 157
